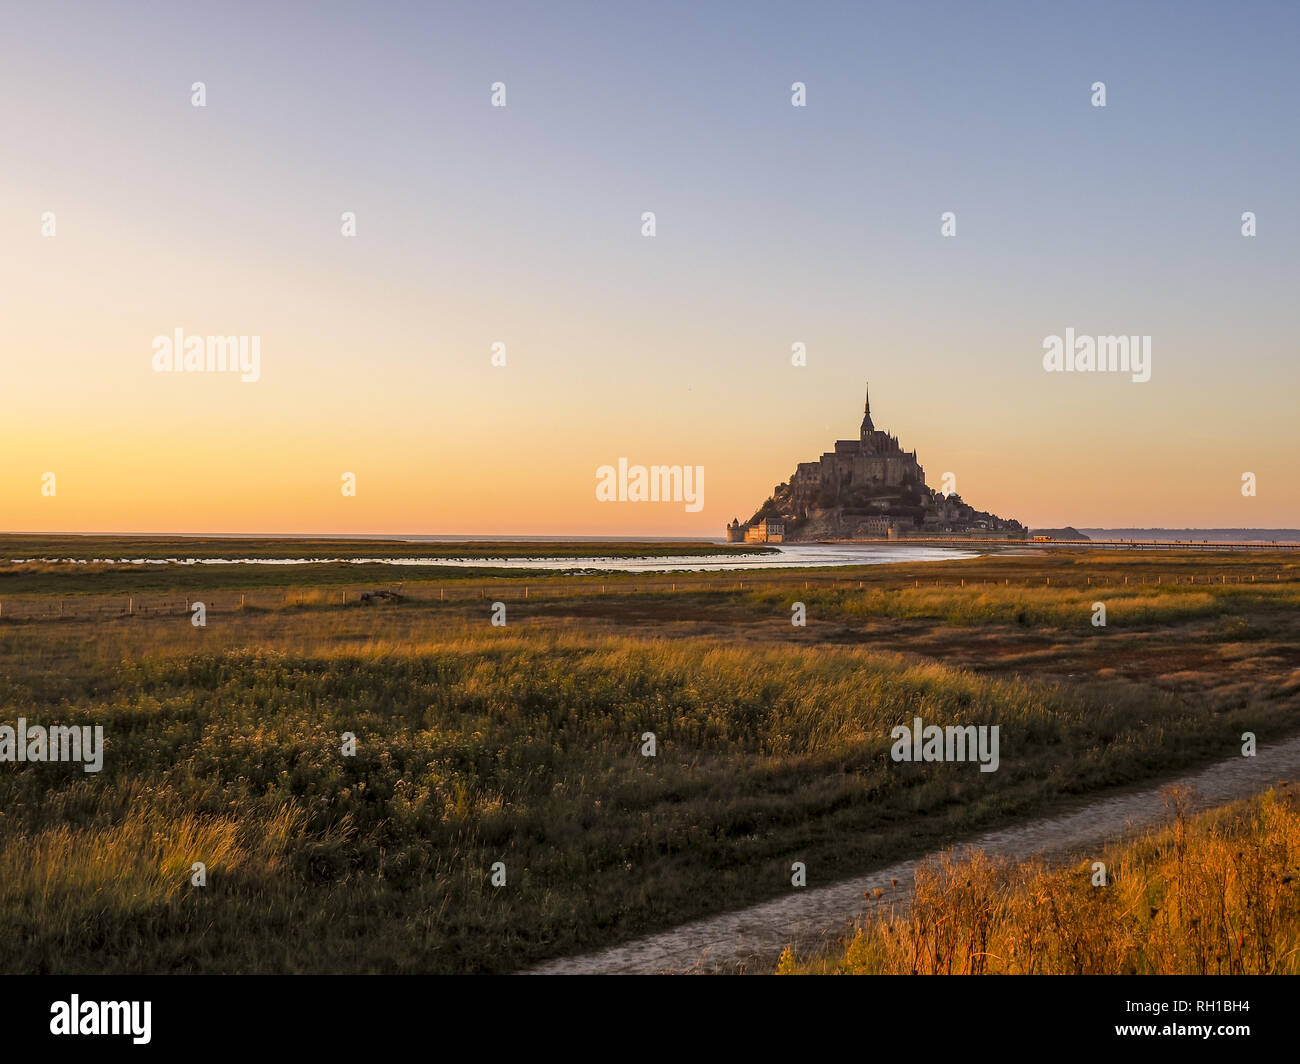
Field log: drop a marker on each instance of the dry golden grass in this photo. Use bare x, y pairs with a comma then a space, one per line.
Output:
1216, 894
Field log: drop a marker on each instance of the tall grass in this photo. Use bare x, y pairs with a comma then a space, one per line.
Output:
478, 745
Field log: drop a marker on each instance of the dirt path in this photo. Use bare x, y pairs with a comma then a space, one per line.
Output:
752, 939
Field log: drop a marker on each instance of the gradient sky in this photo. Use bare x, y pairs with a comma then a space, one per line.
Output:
522, 225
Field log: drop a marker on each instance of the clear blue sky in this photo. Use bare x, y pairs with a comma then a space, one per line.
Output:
775, 224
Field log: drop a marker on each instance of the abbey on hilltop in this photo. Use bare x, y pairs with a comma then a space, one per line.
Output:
868, 488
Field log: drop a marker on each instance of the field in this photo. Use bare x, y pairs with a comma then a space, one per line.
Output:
523, 744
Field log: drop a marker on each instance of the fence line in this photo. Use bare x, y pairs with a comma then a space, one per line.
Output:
35, 607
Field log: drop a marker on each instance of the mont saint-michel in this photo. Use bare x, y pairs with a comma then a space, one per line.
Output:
867, 488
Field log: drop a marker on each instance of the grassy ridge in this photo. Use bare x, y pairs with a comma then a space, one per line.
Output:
1065, 607
69, 580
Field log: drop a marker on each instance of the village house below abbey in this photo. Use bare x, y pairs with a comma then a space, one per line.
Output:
867, 488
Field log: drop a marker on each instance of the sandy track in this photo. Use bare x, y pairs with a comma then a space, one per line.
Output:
752, 939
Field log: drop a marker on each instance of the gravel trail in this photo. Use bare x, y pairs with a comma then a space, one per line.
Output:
752, 939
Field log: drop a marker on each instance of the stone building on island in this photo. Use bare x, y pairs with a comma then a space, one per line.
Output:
875, 460
867, 488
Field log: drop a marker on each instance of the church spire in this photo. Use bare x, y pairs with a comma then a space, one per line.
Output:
865, 434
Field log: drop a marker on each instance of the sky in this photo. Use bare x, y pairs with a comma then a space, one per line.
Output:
522, 225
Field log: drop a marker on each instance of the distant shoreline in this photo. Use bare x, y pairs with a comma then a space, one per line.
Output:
1196, 535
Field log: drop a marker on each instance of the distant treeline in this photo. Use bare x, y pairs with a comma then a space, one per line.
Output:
13, 547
